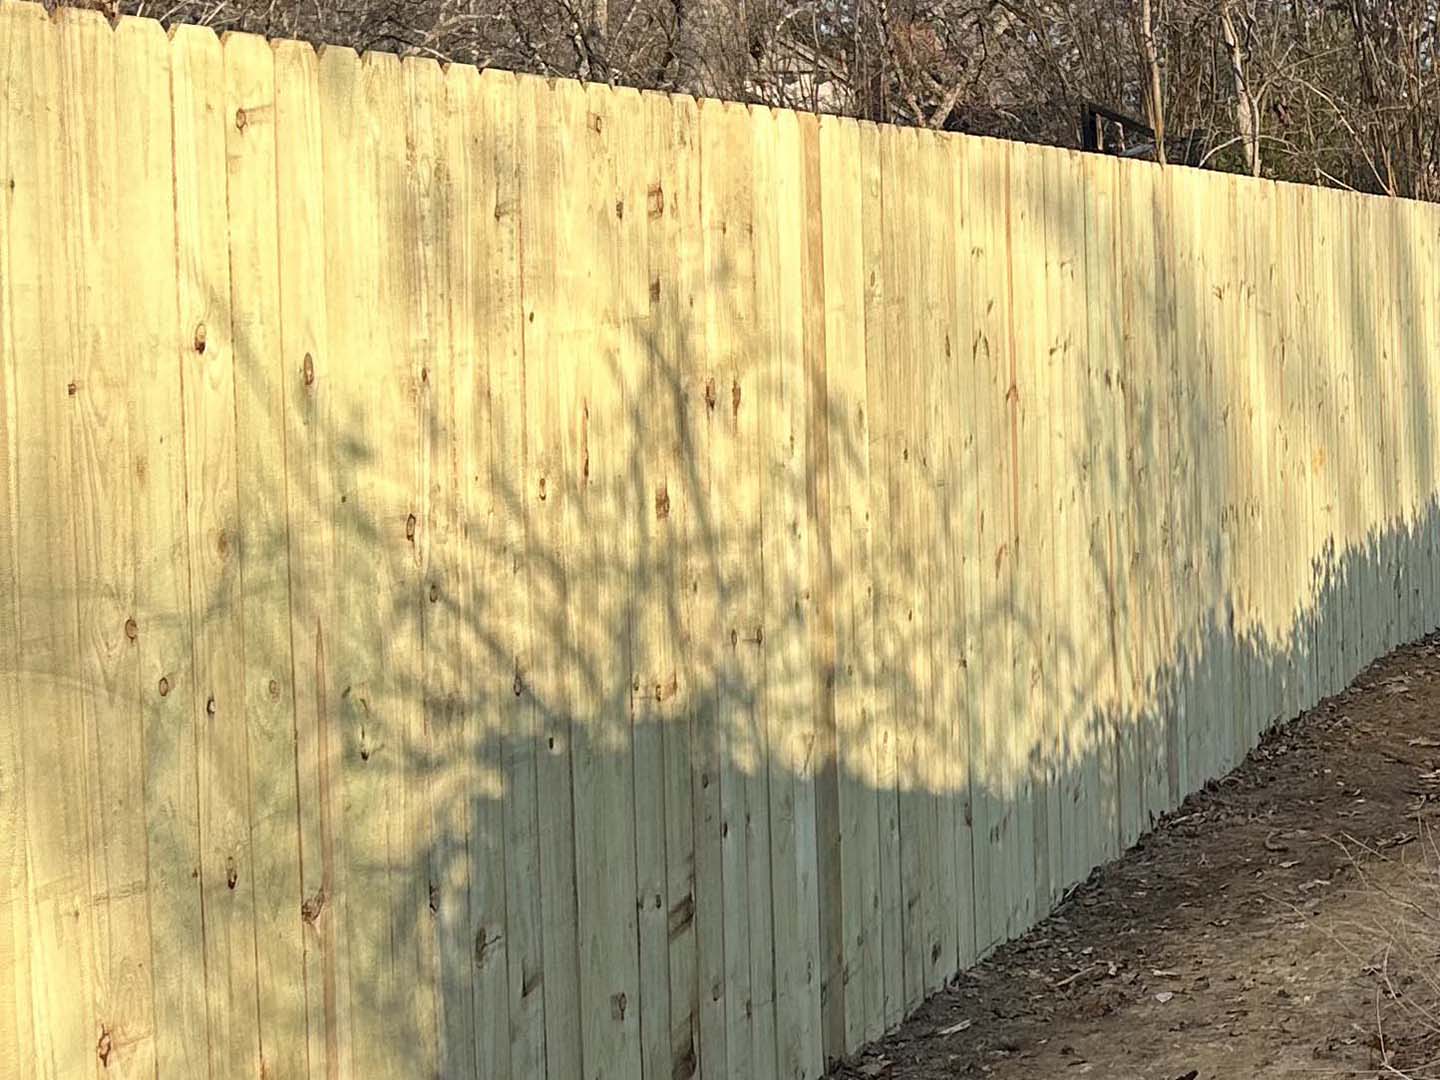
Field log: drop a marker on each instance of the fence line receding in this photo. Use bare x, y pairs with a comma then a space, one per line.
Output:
514, 579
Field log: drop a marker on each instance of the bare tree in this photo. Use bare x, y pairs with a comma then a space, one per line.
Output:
1247, 119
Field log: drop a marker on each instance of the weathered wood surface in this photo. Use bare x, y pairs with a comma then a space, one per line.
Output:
513, 579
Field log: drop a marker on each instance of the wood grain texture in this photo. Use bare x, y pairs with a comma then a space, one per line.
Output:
113, 767
16, 1032
265, 570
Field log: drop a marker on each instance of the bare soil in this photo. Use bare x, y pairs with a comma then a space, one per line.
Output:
1254, 933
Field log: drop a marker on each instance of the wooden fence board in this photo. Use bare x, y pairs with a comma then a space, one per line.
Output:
897, 443
218, 706
856, 973
943, 626
789, 683
884, 738
342, 646
609, 296
551, 123
952, 450
113, 764
155, 348
17, 1050
463, 680
504, 852
766, 817
673, 237
985, 360
1028, 398
305, 374
653, 694
48, 347
265, 573
1113, 516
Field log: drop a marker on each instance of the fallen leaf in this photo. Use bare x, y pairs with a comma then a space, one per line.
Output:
1164, 996
955, 1029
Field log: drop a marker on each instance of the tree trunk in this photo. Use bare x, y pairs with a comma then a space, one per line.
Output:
1154, 100
1247, 117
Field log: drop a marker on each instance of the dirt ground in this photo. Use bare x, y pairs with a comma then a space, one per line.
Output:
1259, 931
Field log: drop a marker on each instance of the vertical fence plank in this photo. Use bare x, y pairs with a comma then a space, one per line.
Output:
367, 534
1312, 389
647, 494
551, 122
949, 406
155, 349
17, 1052
1269, 337
902, 660
1028, 401
430, 832
673, 208
856, 975
610, 296
265, 572
504, 928
357, 905
1163, 457
218, 706
1305, 368
1174, 228
499, 935
789, 587
1346, 491
819, 515
769, 821
937, 622
46, 346
463, 680
984, 361
415, 226
1110, 512
707, 634
1076, 665
733, 510
1047, 409
1288, 674
1424, 223
657, 716
310, 436
103, 585
884, 737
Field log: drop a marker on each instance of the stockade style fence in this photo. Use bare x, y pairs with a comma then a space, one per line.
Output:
508, 578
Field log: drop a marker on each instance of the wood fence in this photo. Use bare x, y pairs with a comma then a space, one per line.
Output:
508, 578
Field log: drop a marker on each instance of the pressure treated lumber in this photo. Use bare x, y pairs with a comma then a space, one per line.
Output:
508, 578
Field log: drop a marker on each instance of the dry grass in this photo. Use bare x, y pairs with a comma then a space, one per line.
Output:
1397, 945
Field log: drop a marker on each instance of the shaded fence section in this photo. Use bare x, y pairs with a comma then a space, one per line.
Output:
502, 578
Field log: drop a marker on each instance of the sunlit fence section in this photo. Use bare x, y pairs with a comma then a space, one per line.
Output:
516, 579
